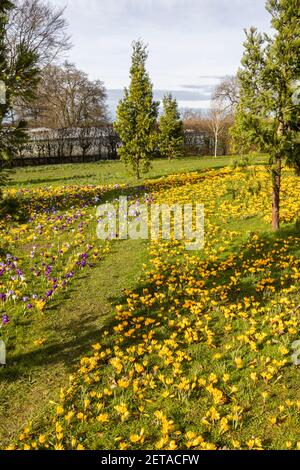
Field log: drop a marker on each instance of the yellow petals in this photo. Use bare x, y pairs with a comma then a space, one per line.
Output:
103, 418
59, 410
239, 362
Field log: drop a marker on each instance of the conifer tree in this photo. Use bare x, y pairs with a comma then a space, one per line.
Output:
268, 115
136, 115
170, 129
19, 79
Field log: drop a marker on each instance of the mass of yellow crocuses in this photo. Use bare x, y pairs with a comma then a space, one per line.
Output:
199, 356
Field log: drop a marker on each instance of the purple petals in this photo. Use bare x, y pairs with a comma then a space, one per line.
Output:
5, 319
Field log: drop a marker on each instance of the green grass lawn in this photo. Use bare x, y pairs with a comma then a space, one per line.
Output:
161, 284
68, 328
110, 172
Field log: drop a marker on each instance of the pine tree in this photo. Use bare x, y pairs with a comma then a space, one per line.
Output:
136, 115
20, 77
171, 129
268, 116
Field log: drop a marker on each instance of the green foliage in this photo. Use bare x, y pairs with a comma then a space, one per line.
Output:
171, 139
20, 76
11, 206
136, 115
268, 114
243, 162
267, 117
112, 172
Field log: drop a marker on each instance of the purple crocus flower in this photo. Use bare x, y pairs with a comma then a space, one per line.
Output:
5, 319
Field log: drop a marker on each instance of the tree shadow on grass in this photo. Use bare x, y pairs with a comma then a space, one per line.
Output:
256, 252
38, 181
96, 195
82, 333
59, 352
245, 287
21, 207
73, 337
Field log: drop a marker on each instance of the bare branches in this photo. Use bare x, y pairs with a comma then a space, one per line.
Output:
36, 26
228, 92
220, 118
66, 98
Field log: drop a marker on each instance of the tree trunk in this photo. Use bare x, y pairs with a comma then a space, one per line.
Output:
276, 181
169, 154
216, 145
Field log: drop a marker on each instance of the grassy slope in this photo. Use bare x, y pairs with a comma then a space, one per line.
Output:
36, 372
39, 375
110, 172
185, 407
69, 327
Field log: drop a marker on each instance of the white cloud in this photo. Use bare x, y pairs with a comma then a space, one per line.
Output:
194, 104
191, 42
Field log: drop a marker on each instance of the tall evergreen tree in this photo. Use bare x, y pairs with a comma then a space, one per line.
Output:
136, 115
268, 116
19, 79
171, 139
5, 7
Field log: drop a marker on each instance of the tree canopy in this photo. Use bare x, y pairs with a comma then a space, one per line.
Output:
20, 78
66, 98
171, 139
268, 116
136, 115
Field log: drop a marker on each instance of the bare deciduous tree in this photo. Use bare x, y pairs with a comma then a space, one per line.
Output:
218, 120
228, 92
37, 26
206, 132
66, 98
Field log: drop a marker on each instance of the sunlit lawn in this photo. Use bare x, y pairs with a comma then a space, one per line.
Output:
114, 172
199, 354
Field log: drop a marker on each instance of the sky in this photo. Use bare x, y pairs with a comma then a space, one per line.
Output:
192, 43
